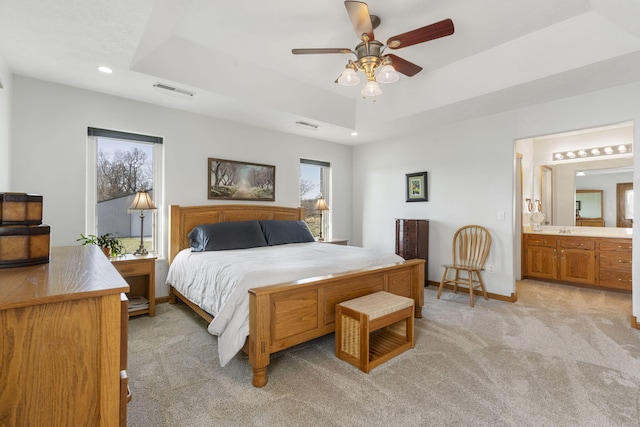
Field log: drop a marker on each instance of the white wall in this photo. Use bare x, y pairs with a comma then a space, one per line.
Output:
471, 177
50, 144
5, 126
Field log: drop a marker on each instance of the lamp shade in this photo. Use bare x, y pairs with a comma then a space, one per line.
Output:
142, 202
371, 89
387, 74
321, 204
348, 77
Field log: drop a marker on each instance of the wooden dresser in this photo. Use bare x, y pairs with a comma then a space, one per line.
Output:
589, 222
412, 241
64, 341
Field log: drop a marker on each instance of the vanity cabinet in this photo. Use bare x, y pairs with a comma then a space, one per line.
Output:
577, 260
541, 260
615, 264
593, 261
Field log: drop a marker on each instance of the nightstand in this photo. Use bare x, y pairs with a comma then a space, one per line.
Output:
335, 241
139, 271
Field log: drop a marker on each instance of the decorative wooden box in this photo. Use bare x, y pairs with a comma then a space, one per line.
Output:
24, 240
22, 245
20, 209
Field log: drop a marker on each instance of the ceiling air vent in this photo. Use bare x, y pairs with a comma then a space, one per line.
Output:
308, 126
165, 88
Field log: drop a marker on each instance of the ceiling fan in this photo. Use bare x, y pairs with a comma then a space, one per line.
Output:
379, 67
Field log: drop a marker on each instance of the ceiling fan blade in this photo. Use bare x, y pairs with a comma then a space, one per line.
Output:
360, 19
430, 32
320, 50
403, 66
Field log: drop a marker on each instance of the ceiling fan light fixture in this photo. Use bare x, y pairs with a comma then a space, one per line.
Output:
348, 77
387, 74
372, 88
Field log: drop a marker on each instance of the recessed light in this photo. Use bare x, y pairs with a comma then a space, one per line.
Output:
105, 70
354, 133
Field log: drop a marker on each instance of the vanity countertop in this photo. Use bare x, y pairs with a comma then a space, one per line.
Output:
608, 232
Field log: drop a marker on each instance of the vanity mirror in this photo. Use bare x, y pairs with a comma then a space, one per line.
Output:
604, 155
589, 199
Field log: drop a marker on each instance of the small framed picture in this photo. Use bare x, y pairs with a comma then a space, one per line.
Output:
417, 187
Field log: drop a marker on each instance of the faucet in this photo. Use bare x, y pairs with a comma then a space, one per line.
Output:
564, 231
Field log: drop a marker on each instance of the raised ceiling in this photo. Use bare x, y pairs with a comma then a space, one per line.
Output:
236, 57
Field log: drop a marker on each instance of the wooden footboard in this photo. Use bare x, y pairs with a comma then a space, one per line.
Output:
284, 315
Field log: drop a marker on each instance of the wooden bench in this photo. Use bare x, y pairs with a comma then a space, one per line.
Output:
373, 329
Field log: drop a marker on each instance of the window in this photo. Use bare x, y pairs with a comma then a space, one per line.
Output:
315, 182
119, 165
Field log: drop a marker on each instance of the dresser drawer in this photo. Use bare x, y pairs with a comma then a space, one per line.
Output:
615, 279
546, 241
620, 261
623, 245
578, 243
133, 268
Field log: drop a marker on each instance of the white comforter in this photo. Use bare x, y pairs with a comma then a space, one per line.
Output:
218, 281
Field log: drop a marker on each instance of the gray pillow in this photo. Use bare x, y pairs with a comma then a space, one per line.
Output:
222, 236
279, 232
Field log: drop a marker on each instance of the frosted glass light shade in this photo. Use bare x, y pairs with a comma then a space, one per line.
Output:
387, 74
348, 77
372, 88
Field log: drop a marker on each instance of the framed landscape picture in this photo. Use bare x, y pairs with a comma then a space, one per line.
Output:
417, 187
233, 180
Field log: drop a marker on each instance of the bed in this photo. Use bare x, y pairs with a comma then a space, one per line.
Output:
284, 314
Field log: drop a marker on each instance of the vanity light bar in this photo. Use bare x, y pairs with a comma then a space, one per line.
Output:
592, 152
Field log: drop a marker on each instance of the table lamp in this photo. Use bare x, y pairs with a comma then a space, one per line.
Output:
142, 202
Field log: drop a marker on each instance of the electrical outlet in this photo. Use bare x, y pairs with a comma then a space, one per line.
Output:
490, 268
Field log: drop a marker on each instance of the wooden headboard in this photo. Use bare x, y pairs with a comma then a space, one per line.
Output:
182, 219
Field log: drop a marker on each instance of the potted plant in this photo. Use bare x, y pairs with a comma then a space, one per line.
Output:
111, 246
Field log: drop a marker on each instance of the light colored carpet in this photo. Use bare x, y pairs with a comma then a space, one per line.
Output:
560, 356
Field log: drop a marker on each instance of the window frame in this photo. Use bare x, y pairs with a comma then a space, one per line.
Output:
156, 217
324, 190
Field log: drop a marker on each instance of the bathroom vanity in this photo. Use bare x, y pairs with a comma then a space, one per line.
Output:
592, 256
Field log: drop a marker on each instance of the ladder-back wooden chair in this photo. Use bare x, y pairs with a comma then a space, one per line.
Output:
471, 245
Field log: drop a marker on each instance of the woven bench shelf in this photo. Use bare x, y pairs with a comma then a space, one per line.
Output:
373, 329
